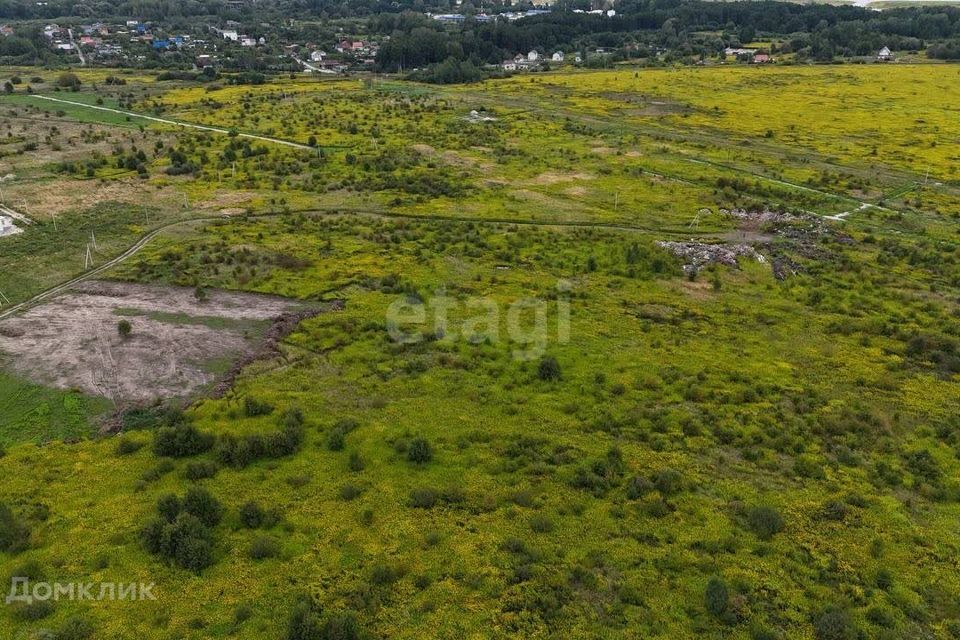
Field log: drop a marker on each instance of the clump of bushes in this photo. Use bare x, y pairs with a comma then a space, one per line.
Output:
240, 451
428, 497
253, 516
337, 437
200, 470
309, 622
182, 532
181, 441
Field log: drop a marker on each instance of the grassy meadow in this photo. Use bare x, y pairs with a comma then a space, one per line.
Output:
709, 453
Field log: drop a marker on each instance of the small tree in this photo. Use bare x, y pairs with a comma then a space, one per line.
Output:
124, 328
200, 294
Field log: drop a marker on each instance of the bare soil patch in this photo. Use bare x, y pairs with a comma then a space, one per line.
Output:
178, 344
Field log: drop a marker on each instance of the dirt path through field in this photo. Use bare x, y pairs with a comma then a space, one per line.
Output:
176, 123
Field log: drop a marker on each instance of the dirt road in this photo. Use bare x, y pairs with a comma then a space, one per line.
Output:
176, 123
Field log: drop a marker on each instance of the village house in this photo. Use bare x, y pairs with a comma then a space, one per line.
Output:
6, 30
318, 55
557, 57
351, 46
533, 56
885, 55
761, 58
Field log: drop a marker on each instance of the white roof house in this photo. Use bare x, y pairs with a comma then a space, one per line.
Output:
533, 55
885, 54
557, 57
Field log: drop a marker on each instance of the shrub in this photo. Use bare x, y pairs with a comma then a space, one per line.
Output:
252, 516
668, 482
336, 440
419, 451
181, 441
33, 611
834, 624
834, 510
305, 623
238, 452
356, 463
124, 328
200, 470
264, 547
68, 81
181, 532
764, 521
253, 407
541, 523
169, 507
717, 597
548, 369
383, 573
127, 446
424, 498
75, 628
349, 492
638, 486
200, 503
14, 534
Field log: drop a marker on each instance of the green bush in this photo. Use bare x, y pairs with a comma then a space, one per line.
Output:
252, 516
14, 534
33, 611
264, 547
200, 470
764, 521
253, 407
419, 451
835, 624
548, 369
127, 446
75, 628
668, 482
200, 503
717, 597
182, 531
181, 441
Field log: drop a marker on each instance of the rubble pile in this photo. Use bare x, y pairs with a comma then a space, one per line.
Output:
698, 254
760, 217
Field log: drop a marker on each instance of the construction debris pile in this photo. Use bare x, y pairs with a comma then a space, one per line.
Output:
698, 254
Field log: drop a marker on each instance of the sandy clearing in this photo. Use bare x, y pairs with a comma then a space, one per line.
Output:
178, 344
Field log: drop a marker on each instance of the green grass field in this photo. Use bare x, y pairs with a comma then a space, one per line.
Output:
721, 453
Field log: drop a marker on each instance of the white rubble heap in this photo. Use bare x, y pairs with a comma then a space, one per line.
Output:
698, 254
7, 228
